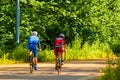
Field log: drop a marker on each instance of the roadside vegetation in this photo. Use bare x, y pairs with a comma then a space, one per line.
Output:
112, 71
95, 51
91, 28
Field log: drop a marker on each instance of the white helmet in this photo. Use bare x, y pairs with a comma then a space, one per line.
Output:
62, 35
34, 33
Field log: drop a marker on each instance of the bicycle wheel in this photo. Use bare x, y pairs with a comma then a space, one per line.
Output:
59, 65
31, 64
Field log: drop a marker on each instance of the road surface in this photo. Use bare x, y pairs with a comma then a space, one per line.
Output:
72, 70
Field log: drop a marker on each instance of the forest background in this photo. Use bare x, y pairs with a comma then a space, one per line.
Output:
91, 28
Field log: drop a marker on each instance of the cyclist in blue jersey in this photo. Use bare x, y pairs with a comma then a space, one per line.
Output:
33, 40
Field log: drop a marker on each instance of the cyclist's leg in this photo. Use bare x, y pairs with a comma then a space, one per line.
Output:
62, 55
35, 52
30, 53
56, 57
30, 50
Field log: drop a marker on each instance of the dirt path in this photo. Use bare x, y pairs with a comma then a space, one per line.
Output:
72, 70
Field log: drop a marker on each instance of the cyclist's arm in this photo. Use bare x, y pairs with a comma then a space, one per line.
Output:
39, 46
65, 46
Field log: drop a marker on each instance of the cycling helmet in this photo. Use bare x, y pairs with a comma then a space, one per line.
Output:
62, 35
34, 33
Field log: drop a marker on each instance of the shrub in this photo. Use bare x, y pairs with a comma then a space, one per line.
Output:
20, 53
112, 72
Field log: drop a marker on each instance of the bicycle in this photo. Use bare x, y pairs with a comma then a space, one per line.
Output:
31, 61
59, 65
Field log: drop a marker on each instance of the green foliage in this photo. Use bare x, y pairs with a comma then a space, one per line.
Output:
94, 51
20, 53
91, 20
4, 60
46, 56
112, 72
94, 22
116, 47
7, 24
1, 53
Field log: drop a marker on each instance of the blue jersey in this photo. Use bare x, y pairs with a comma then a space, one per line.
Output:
33, 41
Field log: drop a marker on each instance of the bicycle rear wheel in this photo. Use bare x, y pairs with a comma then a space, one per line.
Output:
59, 65
31, 64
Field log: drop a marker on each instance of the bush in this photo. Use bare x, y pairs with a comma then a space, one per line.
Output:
94, 51
46, 56
112, 72
20, 53
1, 53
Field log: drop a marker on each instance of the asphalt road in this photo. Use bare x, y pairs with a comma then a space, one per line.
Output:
72, 70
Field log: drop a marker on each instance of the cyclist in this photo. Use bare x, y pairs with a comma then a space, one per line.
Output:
33, 40
59, 46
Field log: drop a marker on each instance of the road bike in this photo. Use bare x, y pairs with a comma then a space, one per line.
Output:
33, 66
31, 62
59, 65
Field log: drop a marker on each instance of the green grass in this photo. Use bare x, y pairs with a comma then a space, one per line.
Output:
8, 61
4, 60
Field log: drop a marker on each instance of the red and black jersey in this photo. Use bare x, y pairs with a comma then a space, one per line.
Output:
59, 42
